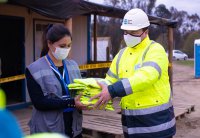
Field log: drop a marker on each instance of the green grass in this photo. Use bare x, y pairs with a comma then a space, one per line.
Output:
185, 62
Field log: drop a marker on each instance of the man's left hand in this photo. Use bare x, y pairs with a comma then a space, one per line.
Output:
103, 97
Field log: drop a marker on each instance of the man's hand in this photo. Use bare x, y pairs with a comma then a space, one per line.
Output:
103, 97
79, 105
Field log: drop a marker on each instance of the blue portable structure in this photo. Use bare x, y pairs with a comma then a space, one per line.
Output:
197, 58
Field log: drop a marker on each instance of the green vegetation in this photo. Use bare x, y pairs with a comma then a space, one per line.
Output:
188, 46
185, 62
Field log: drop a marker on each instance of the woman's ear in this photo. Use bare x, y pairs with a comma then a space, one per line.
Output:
49, 43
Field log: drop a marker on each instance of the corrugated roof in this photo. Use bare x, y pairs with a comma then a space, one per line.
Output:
64, 9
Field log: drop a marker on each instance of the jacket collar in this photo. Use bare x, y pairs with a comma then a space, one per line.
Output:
145, 42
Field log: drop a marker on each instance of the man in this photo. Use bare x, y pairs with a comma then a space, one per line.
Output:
139, 74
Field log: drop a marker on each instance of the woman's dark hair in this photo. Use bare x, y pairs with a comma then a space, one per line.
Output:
53, 33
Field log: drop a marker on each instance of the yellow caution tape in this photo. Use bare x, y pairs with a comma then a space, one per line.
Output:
12, 78
170, 65
82, 67
95, 66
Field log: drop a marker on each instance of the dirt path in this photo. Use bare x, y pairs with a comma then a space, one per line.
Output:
187, 90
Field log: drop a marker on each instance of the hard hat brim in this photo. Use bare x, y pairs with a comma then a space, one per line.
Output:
132, 28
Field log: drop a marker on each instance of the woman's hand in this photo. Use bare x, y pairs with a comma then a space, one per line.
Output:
79, 105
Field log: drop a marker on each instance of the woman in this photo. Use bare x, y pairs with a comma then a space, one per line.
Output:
55, 109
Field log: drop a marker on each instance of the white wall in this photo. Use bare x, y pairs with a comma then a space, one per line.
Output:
79, 39
102, 44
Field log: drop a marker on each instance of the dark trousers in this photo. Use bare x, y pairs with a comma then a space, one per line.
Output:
68, 118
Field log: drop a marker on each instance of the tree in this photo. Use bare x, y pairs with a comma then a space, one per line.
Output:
189, 43
162, 11
185, 23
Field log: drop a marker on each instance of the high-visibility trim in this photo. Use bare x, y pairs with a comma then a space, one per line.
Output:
154, 65
148, 110
118, 60
122, 51
158, 128
127, 86
42, 73
111, 74
145, 52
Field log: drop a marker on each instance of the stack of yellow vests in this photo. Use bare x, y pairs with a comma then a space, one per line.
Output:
89, 88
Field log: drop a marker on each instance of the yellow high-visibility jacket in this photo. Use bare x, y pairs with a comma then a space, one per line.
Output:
140, 76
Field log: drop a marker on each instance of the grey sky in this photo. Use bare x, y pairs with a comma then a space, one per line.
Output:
191, 6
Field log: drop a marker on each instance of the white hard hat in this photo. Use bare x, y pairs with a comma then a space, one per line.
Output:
135, 19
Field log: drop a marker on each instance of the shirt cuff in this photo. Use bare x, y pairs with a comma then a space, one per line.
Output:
117, 90
70, 103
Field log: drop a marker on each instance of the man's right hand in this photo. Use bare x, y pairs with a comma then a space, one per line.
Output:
103, 97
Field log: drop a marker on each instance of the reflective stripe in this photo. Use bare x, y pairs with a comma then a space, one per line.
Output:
127, 86
148, 110
154, 65
158, 128
104, 82
145, 52
42, 73
111, 74
118, 60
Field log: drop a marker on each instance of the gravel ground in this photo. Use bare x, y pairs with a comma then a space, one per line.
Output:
187, 89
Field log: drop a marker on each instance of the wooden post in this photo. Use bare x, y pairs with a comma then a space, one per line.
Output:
107, 53
170, 55
68, 24
95, 37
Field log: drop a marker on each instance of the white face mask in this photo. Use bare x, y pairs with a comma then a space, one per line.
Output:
61, 53
131, 41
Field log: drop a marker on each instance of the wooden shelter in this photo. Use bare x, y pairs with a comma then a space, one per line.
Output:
64, 9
